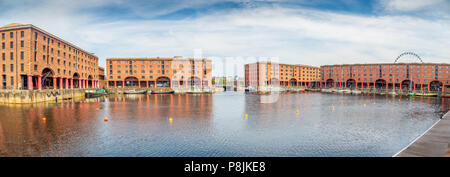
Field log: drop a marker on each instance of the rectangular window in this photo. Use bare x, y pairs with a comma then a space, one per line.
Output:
11, 34
11, 45
35, 67
22, 34
4, 68
22, 44
12, 67
3, 56
12, 80
21, 67
21, 55
3, 45
11, 55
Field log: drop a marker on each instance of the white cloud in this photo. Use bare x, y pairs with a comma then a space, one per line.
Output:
302, 36
415, 5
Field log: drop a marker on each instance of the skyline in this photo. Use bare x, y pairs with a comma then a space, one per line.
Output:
296, 32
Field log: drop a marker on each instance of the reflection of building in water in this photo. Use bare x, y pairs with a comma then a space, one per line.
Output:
187, 106
264, 74
158, 72
34, 59
24, 133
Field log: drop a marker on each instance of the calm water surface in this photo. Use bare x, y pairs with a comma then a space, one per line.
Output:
215, 125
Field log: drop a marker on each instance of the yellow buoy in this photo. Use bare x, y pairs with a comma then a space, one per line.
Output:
332, 107
246, 115
105, 119
365, 105
434, 121
297, 111
44, 119
170, 120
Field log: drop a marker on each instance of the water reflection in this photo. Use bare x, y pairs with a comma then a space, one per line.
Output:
215, 125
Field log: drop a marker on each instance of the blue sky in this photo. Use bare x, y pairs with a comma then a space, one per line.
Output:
240, 31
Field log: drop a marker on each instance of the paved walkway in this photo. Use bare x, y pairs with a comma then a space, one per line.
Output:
434, 143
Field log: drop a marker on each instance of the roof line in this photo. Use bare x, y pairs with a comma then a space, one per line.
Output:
47, 33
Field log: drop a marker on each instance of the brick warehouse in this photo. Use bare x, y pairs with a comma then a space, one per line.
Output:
396, 76
158, 72
34, 59
262, 74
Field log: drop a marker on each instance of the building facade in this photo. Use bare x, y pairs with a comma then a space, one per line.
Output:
405, 76
101, 77
34, 59
158, 72
264, 74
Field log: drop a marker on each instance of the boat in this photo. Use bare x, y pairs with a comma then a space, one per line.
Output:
356, 92
427, 94
162, 92
135, 92
94, 94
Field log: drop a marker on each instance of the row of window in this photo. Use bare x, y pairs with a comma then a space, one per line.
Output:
418, 71
150, 77
11, 45
384, 66
11, 35
11, 56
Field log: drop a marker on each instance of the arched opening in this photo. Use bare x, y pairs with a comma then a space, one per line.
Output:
330, 83
436, 86
131, 82
90, 82
380, 84
407, 85
76, 80
274, 82
194, 81
351, 83
293, 82
162, 82
47, 79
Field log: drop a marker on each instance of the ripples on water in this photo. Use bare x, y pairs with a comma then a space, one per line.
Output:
215, 125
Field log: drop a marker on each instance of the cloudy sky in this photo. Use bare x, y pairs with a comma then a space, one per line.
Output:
298, 32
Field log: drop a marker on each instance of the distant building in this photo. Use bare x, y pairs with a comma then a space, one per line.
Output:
159, 72
101, 77
414, 76
32, 58
263, 74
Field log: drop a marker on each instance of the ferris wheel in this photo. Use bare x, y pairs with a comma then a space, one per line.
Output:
408, 57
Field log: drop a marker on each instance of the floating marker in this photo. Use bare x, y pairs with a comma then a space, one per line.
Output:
297, 111
105, 119
44, 119
332, 107
246, 115
434, 121
365, 105
170, 120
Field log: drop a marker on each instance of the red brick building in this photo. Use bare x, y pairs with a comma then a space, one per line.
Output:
32, 58
158, 72
262, 74
406, 76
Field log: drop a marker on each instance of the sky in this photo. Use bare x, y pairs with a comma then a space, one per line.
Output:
307, 32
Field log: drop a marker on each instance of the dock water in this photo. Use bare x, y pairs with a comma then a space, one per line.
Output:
433, 143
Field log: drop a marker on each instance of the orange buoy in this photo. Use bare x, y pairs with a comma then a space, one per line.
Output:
44, 119
105, 119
